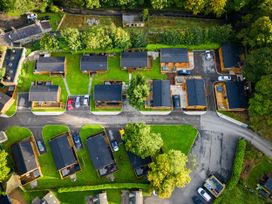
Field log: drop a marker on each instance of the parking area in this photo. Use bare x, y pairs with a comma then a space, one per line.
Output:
75, 103
23, 101
37, 133
176, 90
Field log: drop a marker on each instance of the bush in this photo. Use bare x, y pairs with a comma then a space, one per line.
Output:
104, 187
54, 9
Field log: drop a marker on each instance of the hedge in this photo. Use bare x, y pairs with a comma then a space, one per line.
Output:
104, 187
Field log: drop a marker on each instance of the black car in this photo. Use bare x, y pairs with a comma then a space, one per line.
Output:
77, 140
197, 200
176, 101
183, 72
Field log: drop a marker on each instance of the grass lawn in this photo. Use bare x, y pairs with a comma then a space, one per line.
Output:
208, 46
27, 77
240, 116
80, 21
178, 137
54, 20
12, 110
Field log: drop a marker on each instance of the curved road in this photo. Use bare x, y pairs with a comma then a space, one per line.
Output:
209, 121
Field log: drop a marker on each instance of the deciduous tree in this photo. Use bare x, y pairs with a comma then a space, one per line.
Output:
141, 141
217, 7
72, 38
49, 43
160, 4
167, 172
195, 6
4, 169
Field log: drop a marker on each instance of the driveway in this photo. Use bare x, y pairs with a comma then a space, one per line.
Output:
23, 102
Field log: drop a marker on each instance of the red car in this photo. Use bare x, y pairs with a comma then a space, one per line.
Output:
70, 104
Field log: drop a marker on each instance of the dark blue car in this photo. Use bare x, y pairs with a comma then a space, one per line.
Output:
77, 140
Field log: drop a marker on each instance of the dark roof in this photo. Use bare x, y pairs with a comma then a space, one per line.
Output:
230, 53
24, 157
43, 93
236, 95
94, 63
4, 199
131, 18
50, 64
11, 63
3, 100
196, 92
108, 92
134, 59
138, 162
63, 154
268, 184
99, 151
176, 55
161, 93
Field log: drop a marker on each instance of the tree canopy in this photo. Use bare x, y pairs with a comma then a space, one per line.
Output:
167, 172
49, 43
141, 141
4, 169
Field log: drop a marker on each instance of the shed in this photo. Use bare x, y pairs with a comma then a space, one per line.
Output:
196, 92
161, 93
174, 55
230, 54
108, 92
134, 60
236, 95
94, 63
51, 64
44, 93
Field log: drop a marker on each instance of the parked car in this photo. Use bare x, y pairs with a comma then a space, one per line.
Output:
77, 103
176, 101
85, 100
197, 200
204, 194
114, 145
32, 16
77, 141
208, 55
224, 78
70, 104
121, 132
40, 146
111, 135
183, 72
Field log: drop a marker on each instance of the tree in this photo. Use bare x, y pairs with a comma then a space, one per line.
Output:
171, 37
141, 141
237, 5
120, 37
2, 72
138, 38
49, 43
4, 169
257, 64
260, 108
137, 91
72, 38
145, 14
160, 4
195, 6
90, 4
217, 7
168, 171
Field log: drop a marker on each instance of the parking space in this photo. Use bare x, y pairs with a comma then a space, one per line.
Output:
204, 64
176, 90
37, 133
113, 134
23, 101
75, 103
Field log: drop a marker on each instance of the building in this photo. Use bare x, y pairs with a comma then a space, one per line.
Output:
139, 165
25, 156
91, 64
229, 58
64, 155
13, 62
49, 198
132, 20
25, 34
7, 98
108, 96
51, 66
135, 60
231, 96
214, 186
160, 97
45, 97
100, 198
195, 94
173, 59
101, 154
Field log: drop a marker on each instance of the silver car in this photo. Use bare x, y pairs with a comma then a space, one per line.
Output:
204, 194
77, 103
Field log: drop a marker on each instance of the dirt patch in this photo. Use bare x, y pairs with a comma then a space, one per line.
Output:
6, 22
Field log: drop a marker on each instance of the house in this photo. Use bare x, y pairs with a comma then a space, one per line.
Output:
109, 96
25, 156
49, 198
139, 165
101, 154
64, 155
100, 198
229, 58
231, 96
7, 99
45, 97
51, 66
94, 64
195, 94
160, 97
173, 59
135, 60
13, 62
25, 34
132, 20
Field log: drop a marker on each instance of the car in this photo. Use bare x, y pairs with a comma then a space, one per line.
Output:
32, 16
114, 145
77, 141
85, 100
204, 194
208, 55
77, 103
70, 103
40, 146
197, 200
176, 101
224, 78
111, 135
121, 132
183, 72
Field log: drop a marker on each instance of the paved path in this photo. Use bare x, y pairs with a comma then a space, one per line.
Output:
66, 86
90, 85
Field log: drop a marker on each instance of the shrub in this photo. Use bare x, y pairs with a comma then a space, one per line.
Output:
104, 186
54, 8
